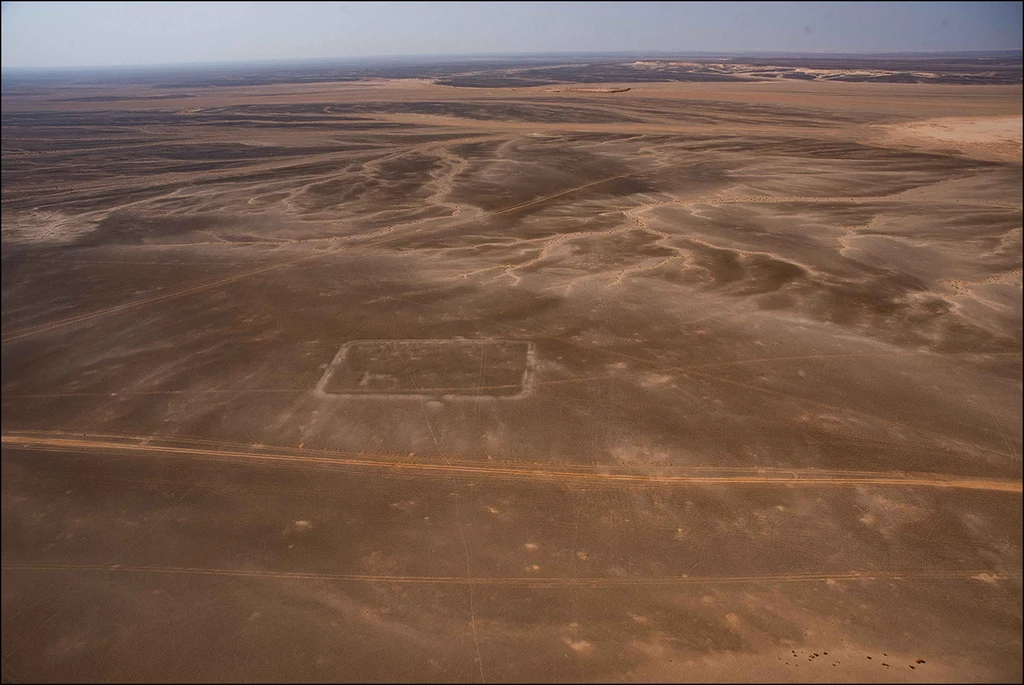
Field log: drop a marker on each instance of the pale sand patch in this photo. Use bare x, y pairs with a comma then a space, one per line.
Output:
988, 137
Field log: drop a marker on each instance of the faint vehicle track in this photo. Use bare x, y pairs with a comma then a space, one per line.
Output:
20, 334
982, 575
798, 398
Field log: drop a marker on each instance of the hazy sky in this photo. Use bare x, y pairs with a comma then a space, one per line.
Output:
128, 33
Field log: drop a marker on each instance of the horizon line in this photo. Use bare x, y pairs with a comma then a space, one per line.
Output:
499, 55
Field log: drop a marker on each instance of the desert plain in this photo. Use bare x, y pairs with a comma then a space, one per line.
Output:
396, 377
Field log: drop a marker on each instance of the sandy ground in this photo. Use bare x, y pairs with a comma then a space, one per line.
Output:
398, 381
992, 138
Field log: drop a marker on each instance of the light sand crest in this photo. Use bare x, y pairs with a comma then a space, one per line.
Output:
996, 138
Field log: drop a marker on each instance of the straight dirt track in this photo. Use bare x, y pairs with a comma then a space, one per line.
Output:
752, 477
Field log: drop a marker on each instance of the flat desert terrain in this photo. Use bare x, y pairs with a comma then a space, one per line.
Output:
591, 379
